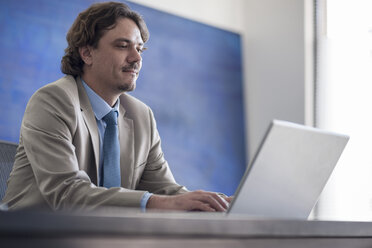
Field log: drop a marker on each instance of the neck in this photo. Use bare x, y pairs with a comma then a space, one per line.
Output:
103, 92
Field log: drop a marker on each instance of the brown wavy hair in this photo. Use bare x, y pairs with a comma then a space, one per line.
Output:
89, 27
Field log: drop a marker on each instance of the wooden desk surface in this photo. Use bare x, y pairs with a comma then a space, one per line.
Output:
134, 229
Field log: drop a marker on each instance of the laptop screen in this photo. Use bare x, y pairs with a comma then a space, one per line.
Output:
288, 172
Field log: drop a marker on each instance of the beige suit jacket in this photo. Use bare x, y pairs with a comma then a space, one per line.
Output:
57, 161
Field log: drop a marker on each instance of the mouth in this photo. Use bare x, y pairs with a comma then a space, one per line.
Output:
133, 69
134, 73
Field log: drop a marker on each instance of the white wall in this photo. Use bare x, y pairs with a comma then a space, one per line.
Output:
274, 45
226, 14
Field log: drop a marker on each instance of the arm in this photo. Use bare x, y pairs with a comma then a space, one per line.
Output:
157, 176
158, 179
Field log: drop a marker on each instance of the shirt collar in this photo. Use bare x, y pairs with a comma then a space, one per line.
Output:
99, 106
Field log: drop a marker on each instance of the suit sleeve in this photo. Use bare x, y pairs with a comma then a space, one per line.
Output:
157, 177
47, 133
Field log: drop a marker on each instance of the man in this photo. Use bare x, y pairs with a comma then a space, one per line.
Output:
84, 143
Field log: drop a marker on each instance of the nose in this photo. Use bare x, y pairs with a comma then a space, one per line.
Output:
134, 56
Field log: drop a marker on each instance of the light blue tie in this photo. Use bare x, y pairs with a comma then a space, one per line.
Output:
111, 152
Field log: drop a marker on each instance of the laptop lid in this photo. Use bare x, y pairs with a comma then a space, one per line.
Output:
288, 172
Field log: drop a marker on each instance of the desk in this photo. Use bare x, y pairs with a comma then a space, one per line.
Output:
174, 230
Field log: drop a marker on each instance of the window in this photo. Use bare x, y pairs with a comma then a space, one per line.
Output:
344, 104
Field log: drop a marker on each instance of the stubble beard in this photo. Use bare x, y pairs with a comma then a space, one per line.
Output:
132, 85
127, 87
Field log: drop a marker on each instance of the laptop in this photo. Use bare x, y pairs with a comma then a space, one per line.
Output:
288, 172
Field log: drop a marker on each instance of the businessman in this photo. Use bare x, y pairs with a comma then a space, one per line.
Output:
85, 143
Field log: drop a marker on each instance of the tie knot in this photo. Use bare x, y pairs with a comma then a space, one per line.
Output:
111, 118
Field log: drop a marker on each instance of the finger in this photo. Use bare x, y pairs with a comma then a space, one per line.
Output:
229, 198
219, 198
200, 206
226, 202
213, 200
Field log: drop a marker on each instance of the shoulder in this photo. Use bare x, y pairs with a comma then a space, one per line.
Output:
134, 107
53, 110
128, 101
58, 99
65, 86
62, 93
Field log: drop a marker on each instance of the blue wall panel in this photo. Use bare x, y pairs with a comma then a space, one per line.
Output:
191, 78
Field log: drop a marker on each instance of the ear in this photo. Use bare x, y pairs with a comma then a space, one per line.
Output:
86, 54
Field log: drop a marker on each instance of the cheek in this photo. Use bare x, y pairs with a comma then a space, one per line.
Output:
101, 61
112, 63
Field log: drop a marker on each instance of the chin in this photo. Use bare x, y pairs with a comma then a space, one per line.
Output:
127, 87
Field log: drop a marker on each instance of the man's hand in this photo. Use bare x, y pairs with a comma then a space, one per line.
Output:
228, 198
192, 201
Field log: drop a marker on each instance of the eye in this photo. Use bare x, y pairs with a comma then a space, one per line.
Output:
122, 45
141, 49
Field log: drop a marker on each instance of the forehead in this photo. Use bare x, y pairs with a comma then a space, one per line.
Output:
125, 28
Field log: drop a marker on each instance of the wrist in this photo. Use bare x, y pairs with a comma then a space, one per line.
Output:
153, 201
160, 202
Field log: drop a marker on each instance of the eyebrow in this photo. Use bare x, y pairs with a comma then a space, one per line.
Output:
128, 41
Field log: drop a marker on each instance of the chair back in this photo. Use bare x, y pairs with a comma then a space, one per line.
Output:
7, 154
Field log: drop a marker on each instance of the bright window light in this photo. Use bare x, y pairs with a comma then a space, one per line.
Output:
345, 105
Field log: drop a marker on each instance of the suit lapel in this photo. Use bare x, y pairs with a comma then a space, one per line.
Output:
90, 121
126, 137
